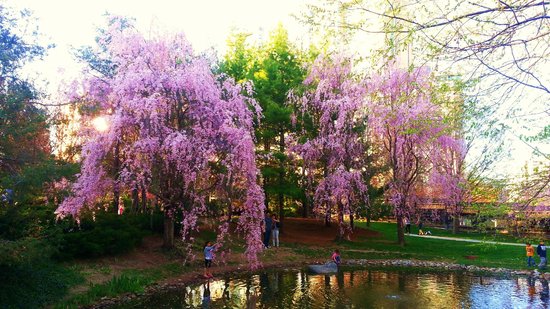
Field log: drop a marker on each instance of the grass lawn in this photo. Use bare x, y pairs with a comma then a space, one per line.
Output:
480, 254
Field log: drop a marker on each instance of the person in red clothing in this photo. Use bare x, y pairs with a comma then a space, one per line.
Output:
336, 257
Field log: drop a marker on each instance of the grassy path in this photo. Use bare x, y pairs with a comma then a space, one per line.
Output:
467, 240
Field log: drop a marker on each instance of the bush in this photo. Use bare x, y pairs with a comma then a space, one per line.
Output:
23, 252
104, 234
33, 286
28, 279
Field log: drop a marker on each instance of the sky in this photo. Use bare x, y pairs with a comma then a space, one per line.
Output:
72, 23
207, 23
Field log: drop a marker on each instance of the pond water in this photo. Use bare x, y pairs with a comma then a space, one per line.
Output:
355, 288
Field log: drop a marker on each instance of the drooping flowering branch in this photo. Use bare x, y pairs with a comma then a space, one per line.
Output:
335, 151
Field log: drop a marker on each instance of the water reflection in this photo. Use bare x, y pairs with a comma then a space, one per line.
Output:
206, 295
356, 288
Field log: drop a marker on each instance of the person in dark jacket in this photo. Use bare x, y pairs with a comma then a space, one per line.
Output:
541, 252
268, 225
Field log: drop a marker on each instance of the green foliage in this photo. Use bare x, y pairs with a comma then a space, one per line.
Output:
28, 278
275, 68
26, 221
33, 286
379, 209
23, 252
24, 138
33, 182
104, 234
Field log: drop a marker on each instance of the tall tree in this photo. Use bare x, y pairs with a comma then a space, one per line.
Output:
181, 131
274, 67
336, 151
24, 134
410, 127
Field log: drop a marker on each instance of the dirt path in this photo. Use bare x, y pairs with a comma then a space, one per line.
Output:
314, 232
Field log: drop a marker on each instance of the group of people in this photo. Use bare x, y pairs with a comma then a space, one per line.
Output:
541, 252
272, 225
407, 224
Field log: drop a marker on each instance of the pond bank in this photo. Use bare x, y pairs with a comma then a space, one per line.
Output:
179, 282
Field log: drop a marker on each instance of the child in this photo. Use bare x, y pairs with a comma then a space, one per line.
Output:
208, 256
336, 257
530, 251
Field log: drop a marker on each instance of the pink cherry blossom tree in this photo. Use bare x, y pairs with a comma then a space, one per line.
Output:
409, 126
335, 150
448, 177
181, 132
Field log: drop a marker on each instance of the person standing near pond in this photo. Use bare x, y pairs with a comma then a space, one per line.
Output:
407, 225
530, 251
276, 226
541, 252
268, 226
208, 257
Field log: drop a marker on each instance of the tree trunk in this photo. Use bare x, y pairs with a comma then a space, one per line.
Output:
456, 224
305, 206
327, 219
400, 232
368, 216
168, 231
116, 168
143, 200
281, 212
351, 221
281, 197
135, 199
341, 229
229, 211
267, 148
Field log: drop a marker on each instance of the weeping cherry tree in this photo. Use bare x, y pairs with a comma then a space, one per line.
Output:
411, 129
336, 152
183, 133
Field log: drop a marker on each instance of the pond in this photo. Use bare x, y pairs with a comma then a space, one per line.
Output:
354, 288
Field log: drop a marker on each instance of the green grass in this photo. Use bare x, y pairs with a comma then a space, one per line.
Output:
129, 281
489, 236
490, 255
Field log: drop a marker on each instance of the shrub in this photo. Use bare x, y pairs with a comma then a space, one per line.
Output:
28, 279
104, 234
